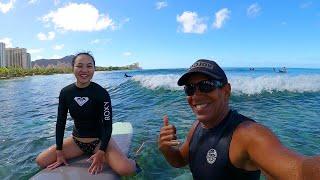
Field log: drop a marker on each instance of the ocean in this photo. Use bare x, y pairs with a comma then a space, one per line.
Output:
287, 103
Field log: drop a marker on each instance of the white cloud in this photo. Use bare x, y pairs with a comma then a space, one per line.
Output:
126, 20
43, 37
253, 10
7, 41
79, 17
58, 47
100, 41
56, 2
33, 1
35, 51
6, 7
221, 17
161, 4
191, 23
120, 24
306, 5
96, 41
127, 54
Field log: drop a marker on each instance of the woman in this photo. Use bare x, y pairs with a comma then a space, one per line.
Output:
90, 107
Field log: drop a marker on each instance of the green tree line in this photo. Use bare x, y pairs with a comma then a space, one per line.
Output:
10, 72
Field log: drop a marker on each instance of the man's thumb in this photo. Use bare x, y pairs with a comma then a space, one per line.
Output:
165, 120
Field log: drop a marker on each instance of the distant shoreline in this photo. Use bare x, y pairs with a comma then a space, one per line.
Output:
9, 73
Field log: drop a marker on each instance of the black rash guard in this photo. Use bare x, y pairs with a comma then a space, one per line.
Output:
91, 110
209, 151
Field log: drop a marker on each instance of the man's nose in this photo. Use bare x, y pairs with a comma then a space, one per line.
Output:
196, 90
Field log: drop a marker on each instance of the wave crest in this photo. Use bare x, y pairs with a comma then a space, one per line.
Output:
158, 81
243, 84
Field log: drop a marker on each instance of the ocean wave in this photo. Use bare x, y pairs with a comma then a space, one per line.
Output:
257, 85
158, 81
242, 84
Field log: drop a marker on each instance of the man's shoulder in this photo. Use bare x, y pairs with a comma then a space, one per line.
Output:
192, 130
250, 131
242, 117
248, 125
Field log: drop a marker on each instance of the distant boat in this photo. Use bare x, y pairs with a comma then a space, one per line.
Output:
281, 70
251, 69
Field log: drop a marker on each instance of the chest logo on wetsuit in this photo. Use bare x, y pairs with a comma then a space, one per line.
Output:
81, 100
211, 156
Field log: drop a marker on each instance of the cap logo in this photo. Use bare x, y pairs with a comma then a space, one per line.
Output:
202, 65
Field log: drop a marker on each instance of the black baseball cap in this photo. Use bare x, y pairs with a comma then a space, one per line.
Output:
207, 67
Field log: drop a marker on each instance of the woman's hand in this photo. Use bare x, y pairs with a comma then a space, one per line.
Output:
97, 162
60, 160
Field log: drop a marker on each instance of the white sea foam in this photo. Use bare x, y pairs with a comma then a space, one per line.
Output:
298, 84
243, 84
158, 81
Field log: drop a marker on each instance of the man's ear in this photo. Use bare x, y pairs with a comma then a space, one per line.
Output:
227, 89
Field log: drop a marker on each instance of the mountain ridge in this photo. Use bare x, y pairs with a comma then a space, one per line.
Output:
66, 62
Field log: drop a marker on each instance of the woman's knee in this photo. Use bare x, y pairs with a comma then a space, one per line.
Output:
126, 169
41, 161
46, 157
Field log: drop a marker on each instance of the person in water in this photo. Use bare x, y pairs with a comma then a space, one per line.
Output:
90, 107
223, 144
126, 75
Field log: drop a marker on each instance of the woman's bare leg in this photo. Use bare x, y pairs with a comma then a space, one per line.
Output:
70, 150
118, 161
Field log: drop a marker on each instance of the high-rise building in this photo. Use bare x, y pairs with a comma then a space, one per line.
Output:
2, 54
28, 60
24, 58
11, 57
17, 57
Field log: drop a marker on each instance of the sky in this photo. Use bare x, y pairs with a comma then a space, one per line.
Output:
167, 34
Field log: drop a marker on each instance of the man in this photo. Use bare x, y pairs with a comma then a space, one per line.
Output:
223, 144
126, 75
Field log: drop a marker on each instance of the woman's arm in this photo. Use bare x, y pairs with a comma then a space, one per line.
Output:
61, 120
106, 121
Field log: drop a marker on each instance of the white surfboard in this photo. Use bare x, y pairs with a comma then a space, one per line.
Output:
78, 167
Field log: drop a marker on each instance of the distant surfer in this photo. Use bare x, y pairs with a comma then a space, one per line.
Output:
126, 75
283, 70
89, 105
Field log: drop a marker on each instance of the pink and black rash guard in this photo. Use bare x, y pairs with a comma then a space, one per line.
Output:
91, 110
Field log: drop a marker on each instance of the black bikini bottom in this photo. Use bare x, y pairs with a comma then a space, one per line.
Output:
87, 148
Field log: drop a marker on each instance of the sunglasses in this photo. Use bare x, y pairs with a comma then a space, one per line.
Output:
204, 86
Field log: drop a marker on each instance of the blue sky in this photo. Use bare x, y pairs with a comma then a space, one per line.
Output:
167, 34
